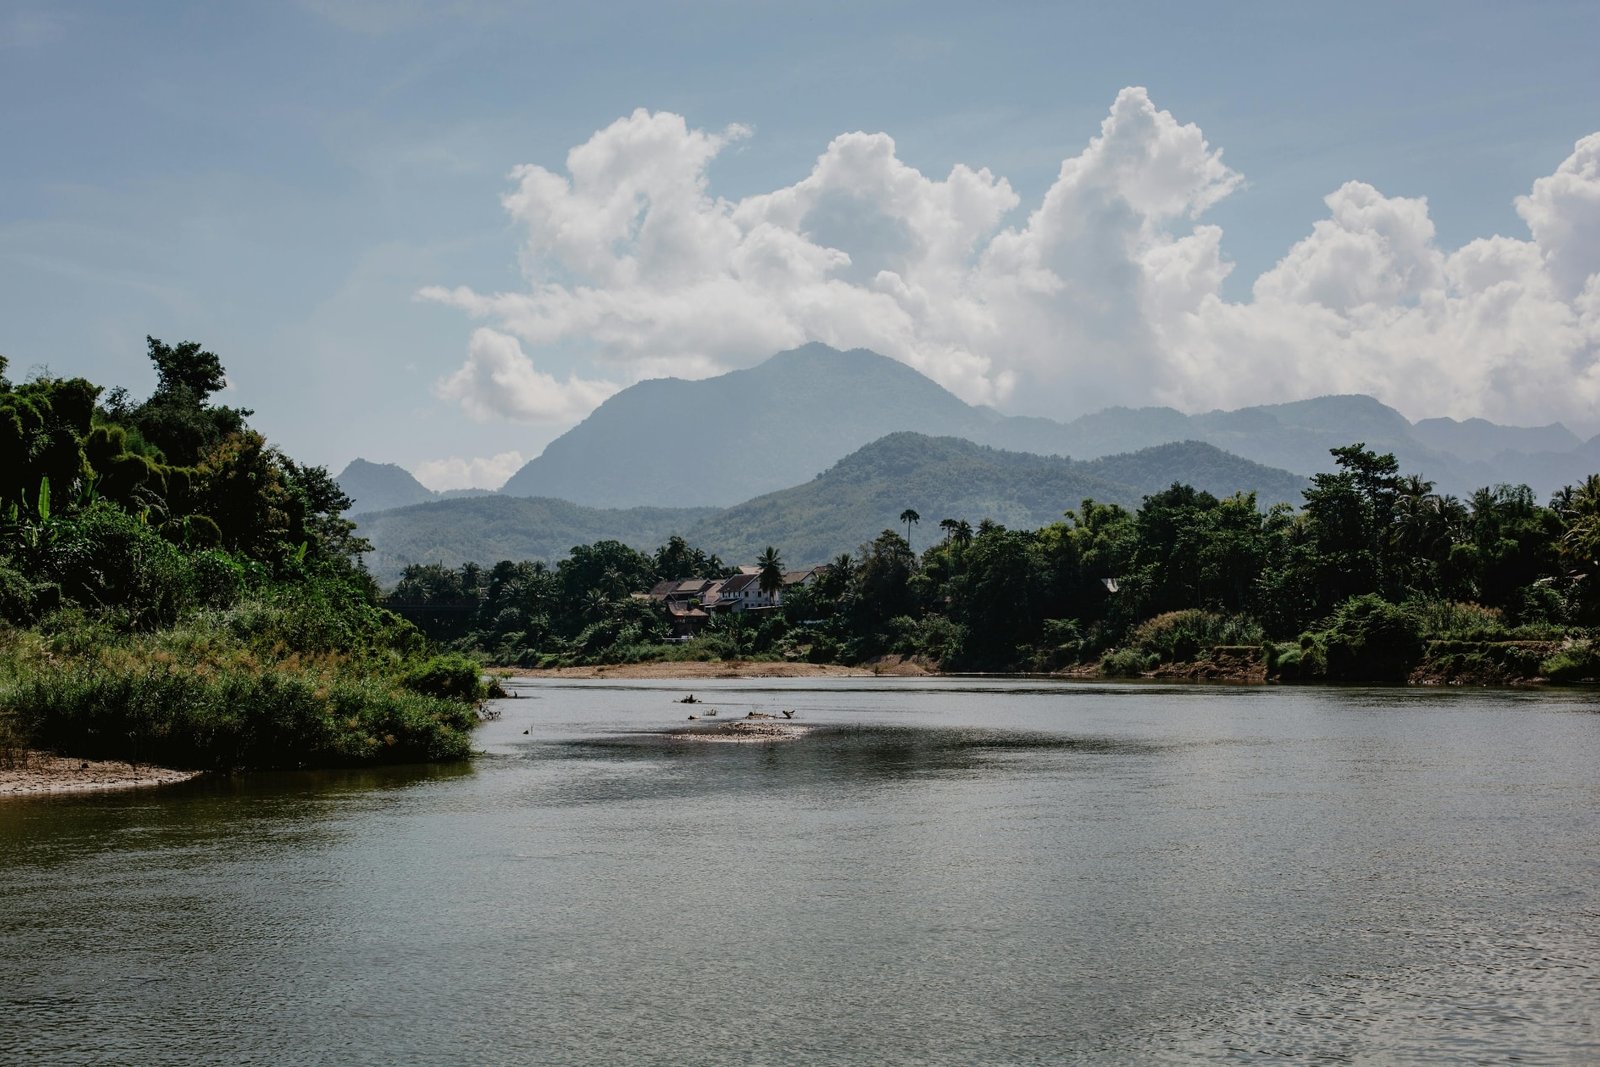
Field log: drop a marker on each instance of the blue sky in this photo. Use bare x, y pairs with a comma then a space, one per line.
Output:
282, 181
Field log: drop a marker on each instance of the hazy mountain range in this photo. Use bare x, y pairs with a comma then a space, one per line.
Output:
720, 441
850, 503
816, 450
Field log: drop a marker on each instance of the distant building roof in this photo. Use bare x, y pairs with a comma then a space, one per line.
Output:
740, 582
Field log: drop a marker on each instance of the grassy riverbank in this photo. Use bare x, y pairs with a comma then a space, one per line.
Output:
225, 689
175, 589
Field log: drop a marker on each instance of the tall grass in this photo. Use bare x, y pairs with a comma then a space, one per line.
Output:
223, 690
1180, 636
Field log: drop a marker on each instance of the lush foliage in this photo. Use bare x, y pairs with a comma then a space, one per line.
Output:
172, 587
1360, 584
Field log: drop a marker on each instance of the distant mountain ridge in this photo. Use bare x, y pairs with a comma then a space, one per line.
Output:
948, 477
382, 486
668, 442
851, 502
718, 441
490, 528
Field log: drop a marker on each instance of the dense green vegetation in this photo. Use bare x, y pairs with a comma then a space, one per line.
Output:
174, 588
824, 516
1375, 575
488, 528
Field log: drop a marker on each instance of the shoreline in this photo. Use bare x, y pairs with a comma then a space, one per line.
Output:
45, 774
689, 670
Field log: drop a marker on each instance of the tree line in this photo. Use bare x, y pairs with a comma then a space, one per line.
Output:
173, 586
1353, 584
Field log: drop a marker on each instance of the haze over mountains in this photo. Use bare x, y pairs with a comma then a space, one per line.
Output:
850, 503
718, 441
812, 448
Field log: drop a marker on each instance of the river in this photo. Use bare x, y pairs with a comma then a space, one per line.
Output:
941, 871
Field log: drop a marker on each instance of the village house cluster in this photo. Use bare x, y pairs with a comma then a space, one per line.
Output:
690, 602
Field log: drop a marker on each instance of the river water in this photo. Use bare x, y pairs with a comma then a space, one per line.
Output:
949, 871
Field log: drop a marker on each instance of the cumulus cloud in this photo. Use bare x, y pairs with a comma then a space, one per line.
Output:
1109, 290
499, 380
479, 472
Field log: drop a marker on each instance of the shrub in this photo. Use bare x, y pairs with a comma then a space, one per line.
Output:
16, 596
1579, 662
1370, 640
1456, 620
1286, 664
1178, 636
451, 676
217, 579
1064, 641
102, 555
1128, 663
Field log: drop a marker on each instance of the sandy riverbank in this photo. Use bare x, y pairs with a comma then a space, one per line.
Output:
37, 773
691, 669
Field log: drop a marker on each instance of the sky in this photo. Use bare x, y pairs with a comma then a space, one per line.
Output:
440, 234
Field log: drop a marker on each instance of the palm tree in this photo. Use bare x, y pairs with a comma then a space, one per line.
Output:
949, 527
909, 516
963, 533
771, 578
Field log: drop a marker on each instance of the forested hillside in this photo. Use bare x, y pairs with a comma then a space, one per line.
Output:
488, 528
944, 477
940, 477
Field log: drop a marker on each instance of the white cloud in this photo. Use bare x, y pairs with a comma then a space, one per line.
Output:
1108, 291
480, 472
499, 380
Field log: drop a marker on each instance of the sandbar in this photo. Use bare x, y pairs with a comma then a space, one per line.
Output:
41, 773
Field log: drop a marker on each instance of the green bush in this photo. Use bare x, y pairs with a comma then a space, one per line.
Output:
1287, 665
1454, 620
1579, 662
451, 676
102, 556
217, 579
1370, 640
1128, 663
1180, 636
17, 596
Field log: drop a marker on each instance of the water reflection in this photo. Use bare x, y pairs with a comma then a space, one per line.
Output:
940, 872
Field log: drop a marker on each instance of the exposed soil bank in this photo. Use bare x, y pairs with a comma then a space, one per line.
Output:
38, 773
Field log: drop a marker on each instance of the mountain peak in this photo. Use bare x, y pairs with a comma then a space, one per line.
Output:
380, 486
670, 442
